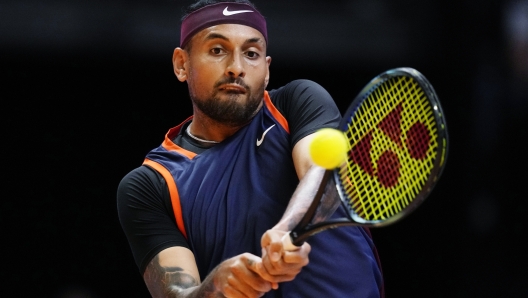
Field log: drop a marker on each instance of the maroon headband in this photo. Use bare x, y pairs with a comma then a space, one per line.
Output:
221, 13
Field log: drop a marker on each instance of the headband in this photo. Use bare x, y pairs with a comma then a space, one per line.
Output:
221, 13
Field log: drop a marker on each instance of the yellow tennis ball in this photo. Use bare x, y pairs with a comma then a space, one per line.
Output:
328, 148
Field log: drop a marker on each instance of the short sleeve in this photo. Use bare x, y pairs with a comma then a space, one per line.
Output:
307, 107
146, 216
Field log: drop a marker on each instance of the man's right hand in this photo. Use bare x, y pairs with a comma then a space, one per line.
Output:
281, 265
240, 276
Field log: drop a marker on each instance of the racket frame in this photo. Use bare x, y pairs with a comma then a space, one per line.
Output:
304, 229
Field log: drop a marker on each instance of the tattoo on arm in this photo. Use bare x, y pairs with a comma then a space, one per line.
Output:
208, 288
174, 282
167, 281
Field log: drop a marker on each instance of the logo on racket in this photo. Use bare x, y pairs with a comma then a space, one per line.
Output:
400, 141
415, 142
393, 139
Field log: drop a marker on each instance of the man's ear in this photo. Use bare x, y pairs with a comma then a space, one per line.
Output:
268, 62
179, 63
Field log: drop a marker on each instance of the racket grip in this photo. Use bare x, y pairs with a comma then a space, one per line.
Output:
288, 244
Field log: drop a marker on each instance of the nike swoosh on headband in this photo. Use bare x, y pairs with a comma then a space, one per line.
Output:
259, 142
229, 13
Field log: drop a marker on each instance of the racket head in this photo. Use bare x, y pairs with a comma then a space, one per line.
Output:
398, 147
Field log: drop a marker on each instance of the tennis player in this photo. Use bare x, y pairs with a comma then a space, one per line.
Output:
204, 213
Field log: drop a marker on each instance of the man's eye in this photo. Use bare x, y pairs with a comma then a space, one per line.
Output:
252, 54
216, 51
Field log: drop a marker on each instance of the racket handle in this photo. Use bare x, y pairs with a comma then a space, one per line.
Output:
288, 244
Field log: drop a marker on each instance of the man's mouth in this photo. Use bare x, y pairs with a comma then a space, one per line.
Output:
232, 88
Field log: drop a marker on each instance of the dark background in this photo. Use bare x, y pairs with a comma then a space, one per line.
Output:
88, 89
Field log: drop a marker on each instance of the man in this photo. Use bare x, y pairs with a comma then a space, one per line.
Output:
204, 213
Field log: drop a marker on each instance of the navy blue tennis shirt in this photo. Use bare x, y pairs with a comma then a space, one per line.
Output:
220, 201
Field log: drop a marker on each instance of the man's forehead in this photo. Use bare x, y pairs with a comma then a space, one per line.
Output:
231, 32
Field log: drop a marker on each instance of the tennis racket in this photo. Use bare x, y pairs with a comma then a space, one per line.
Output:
397, 149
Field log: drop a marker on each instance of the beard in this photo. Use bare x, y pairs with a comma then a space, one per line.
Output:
230, 111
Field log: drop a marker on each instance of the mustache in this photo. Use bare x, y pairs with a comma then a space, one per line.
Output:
230, 80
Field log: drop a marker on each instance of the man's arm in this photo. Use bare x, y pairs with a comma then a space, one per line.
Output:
273, 254
310, 177
173, 273
308, 107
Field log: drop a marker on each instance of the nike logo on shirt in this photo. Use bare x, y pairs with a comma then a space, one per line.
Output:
229, 13
259, 142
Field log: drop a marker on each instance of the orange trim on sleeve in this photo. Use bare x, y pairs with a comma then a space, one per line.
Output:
173, 191
170, 146
276, 114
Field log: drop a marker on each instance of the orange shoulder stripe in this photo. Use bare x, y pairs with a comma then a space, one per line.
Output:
276, 114
173, 191
170, 146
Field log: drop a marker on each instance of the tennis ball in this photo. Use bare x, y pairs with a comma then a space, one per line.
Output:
328, 148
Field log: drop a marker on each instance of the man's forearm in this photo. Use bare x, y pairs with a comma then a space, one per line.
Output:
301, 199
175, 283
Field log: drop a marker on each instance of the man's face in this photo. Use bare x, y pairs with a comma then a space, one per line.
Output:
227, 72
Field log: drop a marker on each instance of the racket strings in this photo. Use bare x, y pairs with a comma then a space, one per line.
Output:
392, 138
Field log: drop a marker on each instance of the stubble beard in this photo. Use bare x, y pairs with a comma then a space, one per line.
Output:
231, 111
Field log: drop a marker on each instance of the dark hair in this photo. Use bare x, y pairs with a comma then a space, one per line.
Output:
202, 3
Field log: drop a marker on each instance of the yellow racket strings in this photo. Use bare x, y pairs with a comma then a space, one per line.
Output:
393, 144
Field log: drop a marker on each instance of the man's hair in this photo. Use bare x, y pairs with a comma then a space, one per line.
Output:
202, 3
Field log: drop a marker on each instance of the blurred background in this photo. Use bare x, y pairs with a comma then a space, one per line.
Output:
88, 89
